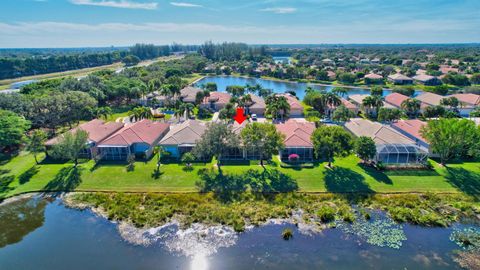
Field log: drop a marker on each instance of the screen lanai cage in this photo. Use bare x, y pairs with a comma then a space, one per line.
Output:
401, 154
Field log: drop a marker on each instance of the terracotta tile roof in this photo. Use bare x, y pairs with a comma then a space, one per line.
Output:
348, 104
297, 134
430, 98
188, 132
381, 134
470, 99
144, 131
218, 98
293, 101
97, 130
423, 77
395, 99
412, 127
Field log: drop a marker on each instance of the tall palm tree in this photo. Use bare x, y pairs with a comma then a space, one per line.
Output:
330, 100
187, 109
283, 107
340, 91
103, 112
411, 107
372, 103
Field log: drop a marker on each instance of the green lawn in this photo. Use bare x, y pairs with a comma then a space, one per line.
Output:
20, 174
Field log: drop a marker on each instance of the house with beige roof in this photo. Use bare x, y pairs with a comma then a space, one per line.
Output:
182, 137
296, 108
216, 101
468, 103
189, 94
430, 99
257, 106
297, 139
392, 146
137, 139
97, 130
427, 80
400, 79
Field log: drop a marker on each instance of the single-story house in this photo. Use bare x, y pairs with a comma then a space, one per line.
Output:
468, 102
189, 94
357, 100
427, 80
400, 79
349, 105
396, 100
137, 139
430, 99
373, 78
182, 137
411, 128
216, 101
97, 131
297, 139
296, 108
392, 146
257, 107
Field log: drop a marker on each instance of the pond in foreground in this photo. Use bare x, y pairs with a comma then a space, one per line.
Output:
44, 234
277, 86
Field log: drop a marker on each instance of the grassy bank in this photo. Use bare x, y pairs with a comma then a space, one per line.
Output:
150, 210
20, 174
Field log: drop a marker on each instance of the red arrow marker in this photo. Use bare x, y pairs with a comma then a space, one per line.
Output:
239, 117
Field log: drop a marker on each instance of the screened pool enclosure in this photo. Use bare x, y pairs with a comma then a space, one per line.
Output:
400, 154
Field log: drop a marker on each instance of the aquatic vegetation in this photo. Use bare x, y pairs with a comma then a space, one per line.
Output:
287, 234
468, 238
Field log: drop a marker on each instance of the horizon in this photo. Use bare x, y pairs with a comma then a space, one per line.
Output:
119, 23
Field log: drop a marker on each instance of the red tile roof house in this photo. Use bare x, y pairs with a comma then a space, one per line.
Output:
411, 128
97, 131
137, 139
216, 101
297, 139
468, 102
349, 105
296, 108
396, 99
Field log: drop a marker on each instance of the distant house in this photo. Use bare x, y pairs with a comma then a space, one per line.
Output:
331, 75
373, 78
411, 128
357, 100
328, 62
430, 99
183, 137
297, 139
468, 102
296, 108
392, 146
400, 79
137, 139
395, 99
216, 101
97, 131
427, 80
257, 106
189, 94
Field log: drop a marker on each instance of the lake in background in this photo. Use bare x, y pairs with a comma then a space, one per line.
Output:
277, 86
44, 234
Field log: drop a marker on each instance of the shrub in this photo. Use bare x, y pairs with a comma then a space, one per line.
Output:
326, 214
287, 234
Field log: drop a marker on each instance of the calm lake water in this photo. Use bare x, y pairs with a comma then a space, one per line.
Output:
277, 86
43, 234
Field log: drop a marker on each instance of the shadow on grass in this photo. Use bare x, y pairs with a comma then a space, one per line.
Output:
375, 174
157, 173
465, 180
67, 179
27, 175
5, 184
342, 180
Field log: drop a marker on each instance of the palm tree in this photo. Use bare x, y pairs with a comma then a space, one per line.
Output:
372, 102
411, 107
340, 91
103, 112
330, 100
283, 107
187, 109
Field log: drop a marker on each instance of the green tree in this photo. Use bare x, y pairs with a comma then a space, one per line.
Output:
70, 146
131, 60
217, 139
228, 112
263, 139
434, 111
236, 90
365, 148
331, 141
389, 114
36, 142
451, 102
451, 138
211, 86
342, 114
277, 106
103, 112
187, 159
12, 129
340, 91
376, 91
372, 104
411, 107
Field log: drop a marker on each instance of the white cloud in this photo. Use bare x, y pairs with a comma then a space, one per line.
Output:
280, 10
116, 4
183, 4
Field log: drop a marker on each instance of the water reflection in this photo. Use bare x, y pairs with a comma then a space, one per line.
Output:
199, 262
19, 218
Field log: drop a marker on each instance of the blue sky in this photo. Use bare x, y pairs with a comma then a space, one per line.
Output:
79, 23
